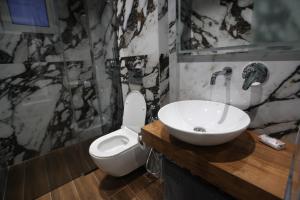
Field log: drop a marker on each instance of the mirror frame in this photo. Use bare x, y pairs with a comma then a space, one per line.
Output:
7, 26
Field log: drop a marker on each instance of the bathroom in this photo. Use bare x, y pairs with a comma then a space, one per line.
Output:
70, 70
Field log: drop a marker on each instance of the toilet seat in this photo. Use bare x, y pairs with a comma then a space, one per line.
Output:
113, 143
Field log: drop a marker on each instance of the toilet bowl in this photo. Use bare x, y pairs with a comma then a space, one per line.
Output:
119, 153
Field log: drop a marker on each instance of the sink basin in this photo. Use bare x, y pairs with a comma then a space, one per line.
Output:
203, 122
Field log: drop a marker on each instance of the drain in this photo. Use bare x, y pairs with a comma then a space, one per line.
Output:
199, 129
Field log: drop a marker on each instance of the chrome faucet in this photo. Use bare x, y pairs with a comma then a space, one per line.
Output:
227, 71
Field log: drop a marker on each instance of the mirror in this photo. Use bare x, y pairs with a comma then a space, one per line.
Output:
229, 26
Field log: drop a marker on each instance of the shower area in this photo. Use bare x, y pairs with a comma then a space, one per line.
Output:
59, 87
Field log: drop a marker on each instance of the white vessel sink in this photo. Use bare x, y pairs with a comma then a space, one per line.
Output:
203, 122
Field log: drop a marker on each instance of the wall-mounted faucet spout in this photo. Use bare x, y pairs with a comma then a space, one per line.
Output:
227, 71
254, 74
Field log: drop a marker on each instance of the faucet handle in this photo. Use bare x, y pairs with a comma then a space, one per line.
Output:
248, 70
254, 74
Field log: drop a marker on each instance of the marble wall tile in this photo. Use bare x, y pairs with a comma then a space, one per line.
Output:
84, 97
32, 47
13, 48
173, 64
35, 107
137, 22
43, 47
69, 43
217, 23
233, 21
163, 31
142, 30
72, 99
73, 27
271, 106
163, 26
142, 73
164, 78
151, 84
103, 29
49, 89
112, 105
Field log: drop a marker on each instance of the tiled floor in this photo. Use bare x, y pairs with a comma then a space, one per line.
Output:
97, 185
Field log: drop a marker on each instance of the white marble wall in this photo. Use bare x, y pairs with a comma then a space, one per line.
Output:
48, 85
174, 65
142, 32
138, 27
215, 23
102, 23
81, 97
140, 73
36, 114
163, 51
273, 106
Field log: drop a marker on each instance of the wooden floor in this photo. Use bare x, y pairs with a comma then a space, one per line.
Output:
70, 173
43, 174
97, 185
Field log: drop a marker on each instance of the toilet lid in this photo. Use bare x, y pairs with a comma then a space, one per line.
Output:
134, 111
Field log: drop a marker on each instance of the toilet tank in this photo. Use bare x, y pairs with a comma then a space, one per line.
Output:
134, 111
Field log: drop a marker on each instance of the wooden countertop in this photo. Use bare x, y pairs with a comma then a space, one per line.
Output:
244, 167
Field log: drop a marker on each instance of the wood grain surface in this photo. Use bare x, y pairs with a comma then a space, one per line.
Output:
244, 168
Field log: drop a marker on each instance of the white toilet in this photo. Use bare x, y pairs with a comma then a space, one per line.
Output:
119, 153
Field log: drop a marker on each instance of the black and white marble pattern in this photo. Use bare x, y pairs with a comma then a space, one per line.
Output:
131, 18
138, 73
113, 109
277, 115
143, 30
173, 64
137, 22
33, 47
163, 51
84, 96
69, 43
164, 78
163, 9
103, 31
73, 23
56, 75
151, 84
13, 48
217, 23
48, 85
43, 47
273, 106
35, 115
